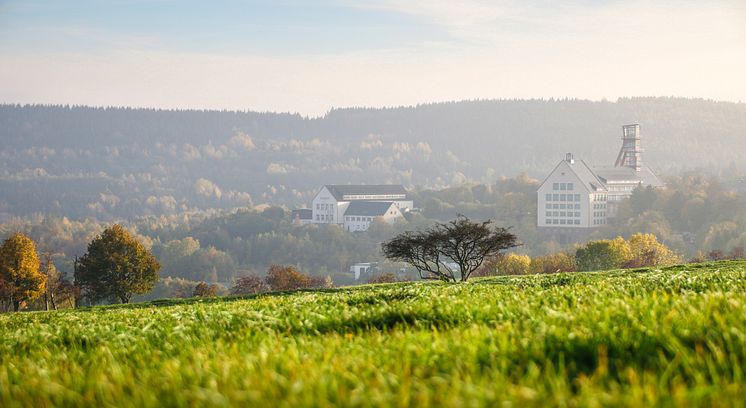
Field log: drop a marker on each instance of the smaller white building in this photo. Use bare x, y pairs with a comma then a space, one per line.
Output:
332, 205
360, 214
362, 269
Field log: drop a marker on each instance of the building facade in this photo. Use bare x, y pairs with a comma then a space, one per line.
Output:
354, 206
575, 197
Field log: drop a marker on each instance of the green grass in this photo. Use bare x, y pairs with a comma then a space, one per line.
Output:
669, 337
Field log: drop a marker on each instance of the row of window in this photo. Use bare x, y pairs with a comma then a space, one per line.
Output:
324, 206
562, 206
352, 219
599, 222
599, 206
323, 217
562, 221
599, 197
563, 197
562, 186
563, 214
599, 213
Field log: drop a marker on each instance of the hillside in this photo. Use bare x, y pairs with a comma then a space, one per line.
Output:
675, 336
114, 163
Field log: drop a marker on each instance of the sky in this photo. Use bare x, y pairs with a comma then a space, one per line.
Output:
309, 56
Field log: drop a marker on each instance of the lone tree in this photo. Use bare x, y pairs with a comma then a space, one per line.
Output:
116, 266
461, 242
204, 289
20, 279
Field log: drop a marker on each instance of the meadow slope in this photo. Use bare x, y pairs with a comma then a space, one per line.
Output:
671, 336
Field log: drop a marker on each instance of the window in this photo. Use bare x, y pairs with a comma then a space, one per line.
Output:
548, 221
577, 197
563, 214
555, 186
563, 186
549, 206
555, 197
570, 186
577, 222
555, 214
577, 214
549, 214
556, 206
563, 197
549, 197
562, 222
555, 221
562, 206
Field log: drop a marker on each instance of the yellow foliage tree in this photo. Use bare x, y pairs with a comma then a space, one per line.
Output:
20, 279
556, 262
603, 254
645, 250
513, 264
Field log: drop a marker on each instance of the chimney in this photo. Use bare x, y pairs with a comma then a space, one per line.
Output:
569, 158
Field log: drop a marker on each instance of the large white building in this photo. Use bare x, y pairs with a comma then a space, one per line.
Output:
354, 206
576, 197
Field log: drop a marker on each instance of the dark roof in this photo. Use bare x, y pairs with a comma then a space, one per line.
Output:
368, 208
303, 214
628, 174
339, 190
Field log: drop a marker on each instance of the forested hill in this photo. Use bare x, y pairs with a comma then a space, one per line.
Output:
121, 162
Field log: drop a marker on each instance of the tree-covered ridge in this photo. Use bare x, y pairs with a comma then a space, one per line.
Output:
692, 215
113, 163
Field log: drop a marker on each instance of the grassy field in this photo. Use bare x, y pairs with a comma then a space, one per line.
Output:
675, 336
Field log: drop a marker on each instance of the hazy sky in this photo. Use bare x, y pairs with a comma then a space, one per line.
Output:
309, 56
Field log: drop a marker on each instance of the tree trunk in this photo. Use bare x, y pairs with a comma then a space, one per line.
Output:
16, 305
51, 298
46, 301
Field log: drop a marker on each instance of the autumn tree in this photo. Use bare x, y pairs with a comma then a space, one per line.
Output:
56, 284
512, 264
461, 242
603, 254
116, 266
204, 289
553, 263
20, 278
249, 285
282, 277
645, 250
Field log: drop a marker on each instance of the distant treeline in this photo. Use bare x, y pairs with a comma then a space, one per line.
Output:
116, 163
694, 216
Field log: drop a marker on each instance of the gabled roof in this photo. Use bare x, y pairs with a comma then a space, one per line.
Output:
369, 208
613, 175
584, 173
339, 191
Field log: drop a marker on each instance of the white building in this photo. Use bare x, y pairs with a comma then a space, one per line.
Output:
361, 270
331, 203
360, 214
577, 197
